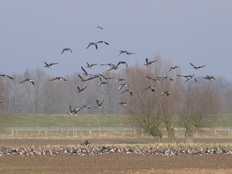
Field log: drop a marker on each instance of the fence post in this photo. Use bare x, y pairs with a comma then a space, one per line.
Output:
12, 132
66, 133
39, 132
81, 133
134, 131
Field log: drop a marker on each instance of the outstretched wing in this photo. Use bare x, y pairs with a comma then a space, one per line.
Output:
201, 66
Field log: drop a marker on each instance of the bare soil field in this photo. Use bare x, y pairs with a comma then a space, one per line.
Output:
111, 163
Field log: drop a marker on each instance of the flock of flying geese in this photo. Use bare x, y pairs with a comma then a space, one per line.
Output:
104, 80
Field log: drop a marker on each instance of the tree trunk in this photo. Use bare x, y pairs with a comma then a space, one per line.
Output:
156, 134
171, 132
189, 134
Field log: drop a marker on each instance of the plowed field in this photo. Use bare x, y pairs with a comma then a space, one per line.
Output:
109, 163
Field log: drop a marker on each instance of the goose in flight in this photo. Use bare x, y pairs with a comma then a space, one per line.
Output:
103, 83
188, 77
122, 85
85, 106
73, 111
81, 78
122, 103
99, 27
127, 90
156, 80
91, 65
50, 64
99, 104
120, 80
165, 93
29, 80
122, 62
148, 63
122, 52
173, 67
197, 67
90, 78
129, 53
92, 43
80, 90
125, 52
109, 64
207, 77
103, 42
150, 87
66, 49
113, 67
85, 72
4, 75
59, 78
1, 100
165, 77
107, 78
85, 143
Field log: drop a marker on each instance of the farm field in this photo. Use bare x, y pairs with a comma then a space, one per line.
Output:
113, 163
116, 163
106, 163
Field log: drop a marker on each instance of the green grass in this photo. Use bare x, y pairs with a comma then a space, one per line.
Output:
62, 120
86, 120
225, 121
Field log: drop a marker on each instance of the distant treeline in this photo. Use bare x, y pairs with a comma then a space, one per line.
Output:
55, 97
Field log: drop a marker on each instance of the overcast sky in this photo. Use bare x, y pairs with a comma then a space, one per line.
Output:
180, 31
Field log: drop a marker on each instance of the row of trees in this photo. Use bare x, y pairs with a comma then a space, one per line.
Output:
55, 96
196, 103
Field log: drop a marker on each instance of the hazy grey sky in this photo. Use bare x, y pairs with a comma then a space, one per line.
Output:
196, 31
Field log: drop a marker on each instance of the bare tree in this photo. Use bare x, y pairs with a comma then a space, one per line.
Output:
154, 97
54, 96
39, 77
3, 95
28, 90
4, 106
15, 94
199, 108
109, 93
224, 88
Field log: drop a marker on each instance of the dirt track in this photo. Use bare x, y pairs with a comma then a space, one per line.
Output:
110, 163
46, 142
